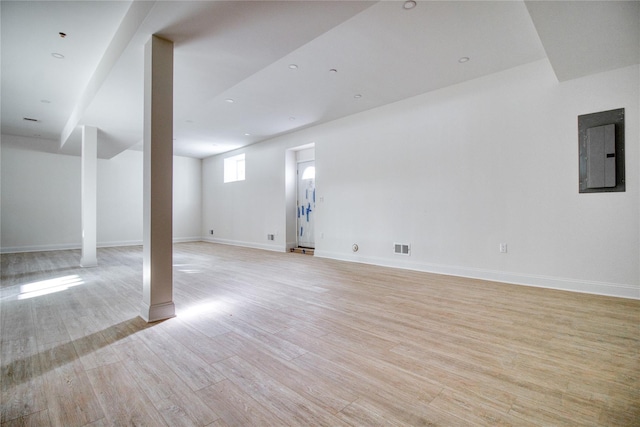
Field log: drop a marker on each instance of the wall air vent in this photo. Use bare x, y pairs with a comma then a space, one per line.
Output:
401, 249
29, 119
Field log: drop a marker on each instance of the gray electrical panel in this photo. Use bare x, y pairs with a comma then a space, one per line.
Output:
601, 156
601, 151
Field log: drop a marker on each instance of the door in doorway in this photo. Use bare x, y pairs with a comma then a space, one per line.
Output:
306, 204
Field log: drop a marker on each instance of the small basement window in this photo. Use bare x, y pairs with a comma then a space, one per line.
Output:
234, 168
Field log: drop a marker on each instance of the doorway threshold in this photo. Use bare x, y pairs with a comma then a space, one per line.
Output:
304, 251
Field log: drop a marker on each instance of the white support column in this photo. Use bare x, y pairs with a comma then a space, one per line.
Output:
157, 292
88, 172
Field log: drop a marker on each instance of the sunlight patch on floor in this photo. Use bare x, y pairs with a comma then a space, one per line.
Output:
207, 308
50, 286
186, 268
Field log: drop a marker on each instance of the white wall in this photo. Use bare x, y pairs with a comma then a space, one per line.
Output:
119, 199
454, 173
40, 199
244, 212
187, 199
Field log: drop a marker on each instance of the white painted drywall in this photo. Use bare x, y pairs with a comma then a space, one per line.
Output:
245, 212
187, 198
40, 200
120, 199
455, 173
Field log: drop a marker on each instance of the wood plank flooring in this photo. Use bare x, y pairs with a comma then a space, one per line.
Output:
275, 339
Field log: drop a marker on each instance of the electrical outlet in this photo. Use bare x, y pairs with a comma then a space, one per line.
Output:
211, 232
503, 248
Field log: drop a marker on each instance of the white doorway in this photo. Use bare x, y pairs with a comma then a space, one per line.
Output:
296, 158
306, 204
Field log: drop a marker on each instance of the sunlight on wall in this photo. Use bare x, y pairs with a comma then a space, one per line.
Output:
46, 287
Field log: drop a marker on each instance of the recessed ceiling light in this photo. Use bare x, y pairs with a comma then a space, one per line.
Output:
45, 101
57, 55
333, 70
229, 100
62, 35
463, 59
188, 121
247, 134
357, 96
293, 66
409, 4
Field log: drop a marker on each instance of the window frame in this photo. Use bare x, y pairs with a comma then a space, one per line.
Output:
234, 168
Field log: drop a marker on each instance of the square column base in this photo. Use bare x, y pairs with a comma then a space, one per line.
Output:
88, 262
157, 312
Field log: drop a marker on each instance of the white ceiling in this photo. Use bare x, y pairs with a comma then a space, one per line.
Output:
242, 50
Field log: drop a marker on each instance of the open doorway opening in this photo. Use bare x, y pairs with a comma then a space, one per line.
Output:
301, 199
306, 208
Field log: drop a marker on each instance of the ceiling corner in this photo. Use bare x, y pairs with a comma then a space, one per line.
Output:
587, 37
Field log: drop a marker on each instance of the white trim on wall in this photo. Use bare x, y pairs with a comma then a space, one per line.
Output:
558, 283
74, 246
253, 245
39, 248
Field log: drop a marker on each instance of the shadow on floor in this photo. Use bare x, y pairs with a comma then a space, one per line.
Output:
24, 369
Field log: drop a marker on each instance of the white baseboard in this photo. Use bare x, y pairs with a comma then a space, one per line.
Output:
70, 246
39, 248
115, 244
559, 283
266, 247
187, 239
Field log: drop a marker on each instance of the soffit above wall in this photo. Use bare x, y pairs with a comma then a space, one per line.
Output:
245, 51
587, 37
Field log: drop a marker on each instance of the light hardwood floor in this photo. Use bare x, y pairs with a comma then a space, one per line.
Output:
274, 339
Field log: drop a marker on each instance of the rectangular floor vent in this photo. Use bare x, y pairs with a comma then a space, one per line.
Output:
401, 249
